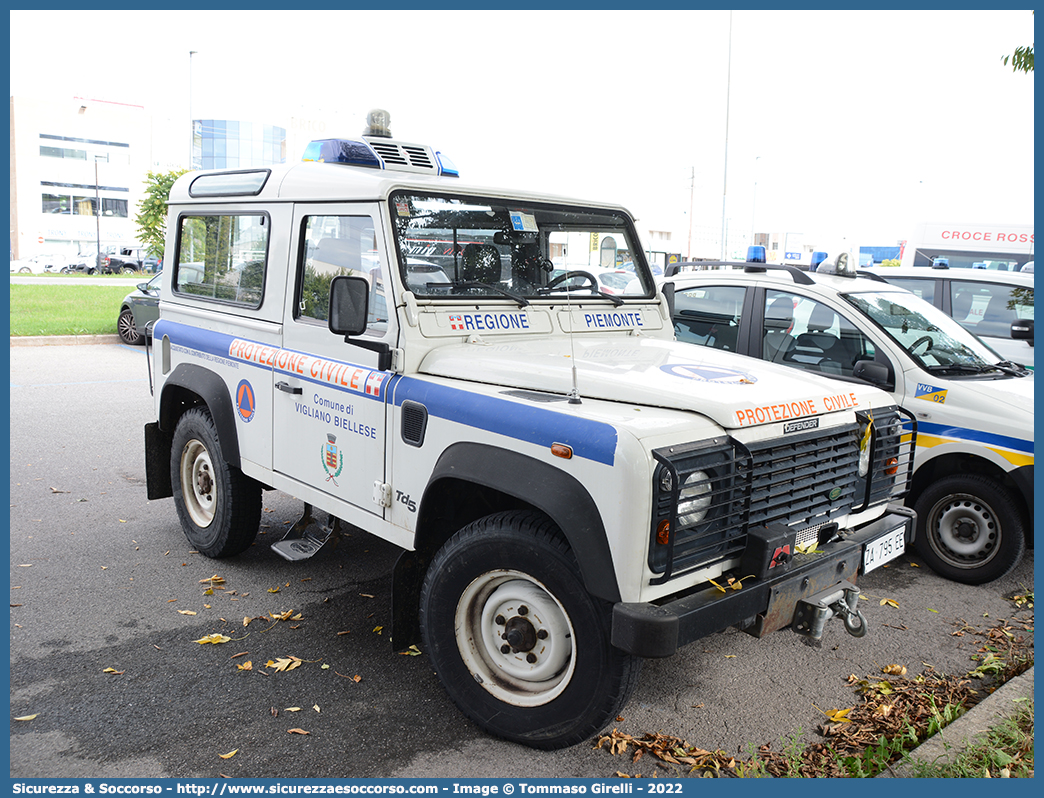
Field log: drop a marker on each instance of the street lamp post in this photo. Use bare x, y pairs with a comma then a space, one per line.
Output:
97, 212
192, 124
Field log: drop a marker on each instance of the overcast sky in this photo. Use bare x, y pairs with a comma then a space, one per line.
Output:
853, 124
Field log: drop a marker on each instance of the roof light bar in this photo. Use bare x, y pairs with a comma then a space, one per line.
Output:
346, 151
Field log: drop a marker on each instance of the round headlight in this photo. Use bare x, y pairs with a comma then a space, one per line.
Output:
694, 499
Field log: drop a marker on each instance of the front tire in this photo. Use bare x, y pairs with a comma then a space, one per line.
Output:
969, 529
517, 641
218, 505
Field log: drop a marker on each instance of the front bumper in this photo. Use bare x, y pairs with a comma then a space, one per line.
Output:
760, 606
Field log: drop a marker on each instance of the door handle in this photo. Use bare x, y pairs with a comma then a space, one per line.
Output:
287, 388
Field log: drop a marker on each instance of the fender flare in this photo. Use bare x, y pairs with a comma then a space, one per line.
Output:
551, 490
211, 389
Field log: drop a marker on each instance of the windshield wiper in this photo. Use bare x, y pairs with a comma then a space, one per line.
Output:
521, 300
962, 368
1012, 368
614, 299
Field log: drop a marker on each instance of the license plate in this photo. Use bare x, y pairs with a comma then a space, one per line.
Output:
885, 548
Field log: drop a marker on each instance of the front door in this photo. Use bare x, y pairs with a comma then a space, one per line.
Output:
330, 396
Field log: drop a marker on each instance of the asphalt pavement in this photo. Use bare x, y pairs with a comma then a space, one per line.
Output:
108, 602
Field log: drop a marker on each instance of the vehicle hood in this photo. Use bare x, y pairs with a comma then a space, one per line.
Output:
1003, 404
733, 390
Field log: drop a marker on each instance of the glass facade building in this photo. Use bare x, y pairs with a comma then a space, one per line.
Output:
228, 144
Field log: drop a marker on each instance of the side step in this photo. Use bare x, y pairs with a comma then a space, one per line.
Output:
306, 537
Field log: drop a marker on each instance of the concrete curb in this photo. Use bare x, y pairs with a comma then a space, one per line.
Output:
949, 742
63, 340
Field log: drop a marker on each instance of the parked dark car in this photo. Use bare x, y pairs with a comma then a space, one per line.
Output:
128, 260
140, 309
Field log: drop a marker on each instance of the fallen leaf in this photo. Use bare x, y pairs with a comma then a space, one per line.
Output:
284, 664
292, 709
214, 580
296, 731
378, 629
806, 548
324, 666
890, 603
357, 678
316, 707
273, 590
894, 670
26, 717
246, 666
412, 651
230, 754
113, 670
215, 638
186, 612
839, 715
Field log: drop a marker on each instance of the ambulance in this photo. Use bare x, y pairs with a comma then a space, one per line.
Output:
572, 491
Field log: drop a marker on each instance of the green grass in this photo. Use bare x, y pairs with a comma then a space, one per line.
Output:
1006, 752
65, 309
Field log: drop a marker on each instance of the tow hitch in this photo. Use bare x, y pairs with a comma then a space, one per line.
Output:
812, 612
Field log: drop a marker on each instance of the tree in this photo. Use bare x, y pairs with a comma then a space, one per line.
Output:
152, 211
1021, 60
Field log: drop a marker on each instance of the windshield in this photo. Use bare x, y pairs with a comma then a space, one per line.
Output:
480, 247
927, 334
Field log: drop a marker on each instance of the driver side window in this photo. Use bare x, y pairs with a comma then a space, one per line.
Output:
803, 333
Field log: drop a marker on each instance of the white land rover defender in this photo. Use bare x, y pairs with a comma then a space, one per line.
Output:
435, 364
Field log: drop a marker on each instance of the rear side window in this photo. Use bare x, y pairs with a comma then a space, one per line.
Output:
925, 289
223, 257
989, 308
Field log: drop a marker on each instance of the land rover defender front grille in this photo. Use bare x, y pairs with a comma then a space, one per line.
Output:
706, 496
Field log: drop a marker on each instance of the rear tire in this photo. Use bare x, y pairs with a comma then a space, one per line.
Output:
517, 641
969, 529
218, 505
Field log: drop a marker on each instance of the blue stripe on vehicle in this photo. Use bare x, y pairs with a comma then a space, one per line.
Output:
988, 438
219, 344
591, 440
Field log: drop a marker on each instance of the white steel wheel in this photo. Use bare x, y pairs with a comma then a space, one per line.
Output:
197, 476
515, 638
218, 505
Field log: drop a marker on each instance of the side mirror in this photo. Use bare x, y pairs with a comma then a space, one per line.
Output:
875, 373
1022, 330
349, 305
668, 294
